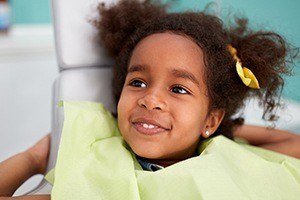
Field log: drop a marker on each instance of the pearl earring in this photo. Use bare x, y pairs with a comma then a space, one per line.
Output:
207, 133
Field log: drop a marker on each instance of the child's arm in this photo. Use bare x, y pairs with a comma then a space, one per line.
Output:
17, 169
272, 139
29, 197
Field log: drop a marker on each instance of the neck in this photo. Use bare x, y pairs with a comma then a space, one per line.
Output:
165, 162
162, 162
174, 157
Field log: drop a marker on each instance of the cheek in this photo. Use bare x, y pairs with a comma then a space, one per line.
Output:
121, 110
127, 99
192, 116
191, 122
125, 105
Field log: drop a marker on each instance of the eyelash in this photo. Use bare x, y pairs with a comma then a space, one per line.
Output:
181, 88
186, 91
133, 82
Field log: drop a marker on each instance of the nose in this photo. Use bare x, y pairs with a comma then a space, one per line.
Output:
152, 100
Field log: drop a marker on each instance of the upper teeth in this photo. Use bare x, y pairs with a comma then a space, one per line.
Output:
148, 125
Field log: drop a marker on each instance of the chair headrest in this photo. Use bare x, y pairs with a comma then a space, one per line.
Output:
75, 36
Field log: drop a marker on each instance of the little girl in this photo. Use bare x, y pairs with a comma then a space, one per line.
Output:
179, 78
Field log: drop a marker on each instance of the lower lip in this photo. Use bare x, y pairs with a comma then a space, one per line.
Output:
146, 131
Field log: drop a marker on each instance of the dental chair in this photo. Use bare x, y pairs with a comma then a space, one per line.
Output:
86, 71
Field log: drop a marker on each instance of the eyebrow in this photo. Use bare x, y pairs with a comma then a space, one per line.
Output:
136, 68
180, 73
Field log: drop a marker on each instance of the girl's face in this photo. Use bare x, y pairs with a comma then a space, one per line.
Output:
163, 108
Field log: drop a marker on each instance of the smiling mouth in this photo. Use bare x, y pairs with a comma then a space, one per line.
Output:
148, 128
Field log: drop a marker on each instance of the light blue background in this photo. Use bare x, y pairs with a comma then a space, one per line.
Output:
278, 15
31, 11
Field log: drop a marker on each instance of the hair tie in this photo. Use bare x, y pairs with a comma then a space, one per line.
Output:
244, 73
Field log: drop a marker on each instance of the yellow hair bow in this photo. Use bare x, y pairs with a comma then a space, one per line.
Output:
244, 73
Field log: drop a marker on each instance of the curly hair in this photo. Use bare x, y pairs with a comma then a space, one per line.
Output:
122, 26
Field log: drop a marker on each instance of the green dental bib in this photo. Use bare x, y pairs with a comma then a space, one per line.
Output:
94, 162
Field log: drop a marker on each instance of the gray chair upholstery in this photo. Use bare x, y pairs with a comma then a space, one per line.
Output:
85, 69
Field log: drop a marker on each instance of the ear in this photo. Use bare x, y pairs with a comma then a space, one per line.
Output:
213, 121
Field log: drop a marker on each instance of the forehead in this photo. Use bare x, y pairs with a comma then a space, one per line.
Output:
168, 50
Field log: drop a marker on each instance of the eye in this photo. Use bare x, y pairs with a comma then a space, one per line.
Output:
137, 83
179, 90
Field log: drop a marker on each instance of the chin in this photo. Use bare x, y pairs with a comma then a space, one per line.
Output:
150, 153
